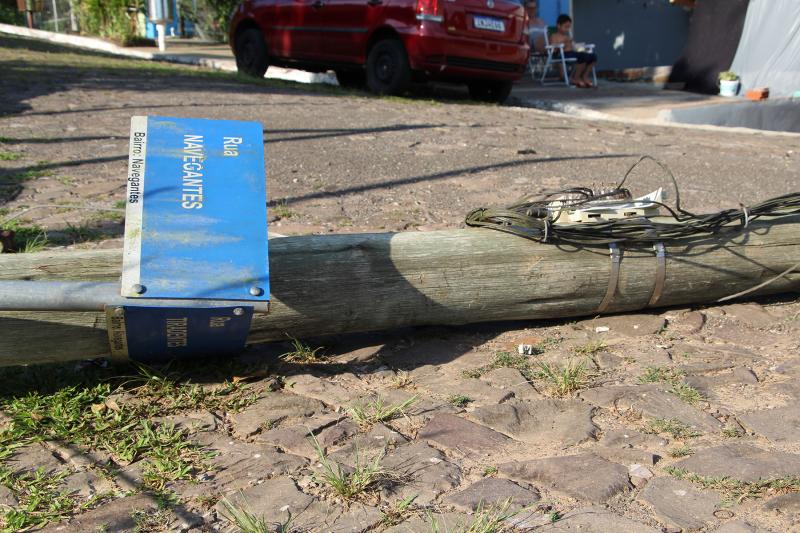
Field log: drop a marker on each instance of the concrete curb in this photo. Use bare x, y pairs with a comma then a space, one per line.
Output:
583, 112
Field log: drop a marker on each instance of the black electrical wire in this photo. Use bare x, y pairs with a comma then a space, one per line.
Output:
532, 217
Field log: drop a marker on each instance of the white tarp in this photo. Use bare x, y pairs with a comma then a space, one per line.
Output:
769, 49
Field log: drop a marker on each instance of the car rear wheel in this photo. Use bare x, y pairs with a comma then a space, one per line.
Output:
251, 53
351, 79
490, 91
388, 71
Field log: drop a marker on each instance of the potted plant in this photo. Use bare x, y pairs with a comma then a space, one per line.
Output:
728, 83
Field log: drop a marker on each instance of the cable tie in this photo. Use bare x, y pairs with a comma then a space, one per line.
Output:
746, 215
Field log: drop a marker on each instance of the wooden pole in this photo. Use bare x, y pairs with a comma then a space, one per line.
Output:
346, 283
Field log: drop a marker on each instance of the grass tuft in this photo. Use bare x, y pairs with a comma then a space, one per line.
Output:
367, 414
281, 210
566, 379
680, 451
398, 512
248, 522
302, 353
589, 349
687, 393
349, 483
459, 400
661, 374
735, 491
10, 156
671, 426
504, 360
491, 519
28, 238
731, 432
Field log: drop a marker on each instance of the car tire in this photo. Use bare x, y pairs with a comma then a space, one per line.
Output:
388, 71
351, 79
490, 91
251, 53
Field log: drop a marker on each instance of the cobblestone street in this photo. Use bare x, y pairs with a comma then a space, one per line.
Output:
679, 419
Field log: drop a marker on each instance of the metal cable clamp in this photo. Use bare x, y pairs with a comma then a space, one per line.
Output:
661, 274
616, 259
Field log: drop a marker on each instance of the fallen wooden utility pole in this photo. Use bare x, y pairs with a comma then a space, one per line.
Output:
346, 283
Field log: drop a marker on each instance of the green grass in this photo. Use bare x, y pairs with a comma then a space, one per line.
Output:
92, 416
731, 432
28, 238
661, 374
459, 400
489, 471
680, 451
671, 426
41, 497
10, 156
735, 491
25, 175
349, 483
81, 232
563, 380
589, 349
504, 360
398, 512
109, 417
281, 210
687, 393
367, 414
302, 353
486, 519
248, 522
26, 61
523, 363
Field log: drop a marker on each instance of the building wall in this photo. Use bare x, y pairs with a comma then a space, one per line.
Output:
549, 10
632, 33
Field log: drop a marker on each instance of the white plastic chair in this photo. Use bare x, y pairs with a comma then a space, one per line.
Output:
552, 57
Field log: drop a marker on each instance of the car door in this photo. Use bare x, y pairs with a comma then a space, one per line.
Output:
287, 25
341, 28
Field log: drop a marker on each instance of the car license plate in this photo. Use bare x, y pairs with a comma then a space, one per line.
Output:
489, 23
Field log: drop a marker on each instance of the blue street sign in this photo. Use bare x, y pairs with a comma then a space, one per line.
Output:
155, 334
196, 216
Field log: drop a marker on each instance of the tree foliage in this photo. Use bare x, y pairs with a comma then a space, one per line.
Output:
113, 19
212, 17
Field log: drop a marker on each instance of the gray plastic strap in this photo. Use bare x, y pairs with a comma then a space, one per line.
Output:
661, 274
616, 258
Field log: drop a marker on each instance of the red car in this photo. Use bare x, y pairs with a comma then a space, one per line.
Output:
387, 44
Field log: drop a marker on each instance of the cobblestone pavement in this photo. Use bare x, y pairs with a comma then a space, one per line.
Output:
676, 420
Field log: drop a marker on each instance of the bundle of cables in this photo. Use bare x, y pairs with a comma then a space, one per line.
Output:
537, 217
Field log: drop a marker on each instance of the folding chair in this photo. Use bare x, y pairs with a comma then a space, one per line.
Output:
552, 57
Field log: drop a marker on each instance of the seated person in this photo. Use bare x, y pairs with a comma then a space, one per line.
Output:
584, 60
536, 28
